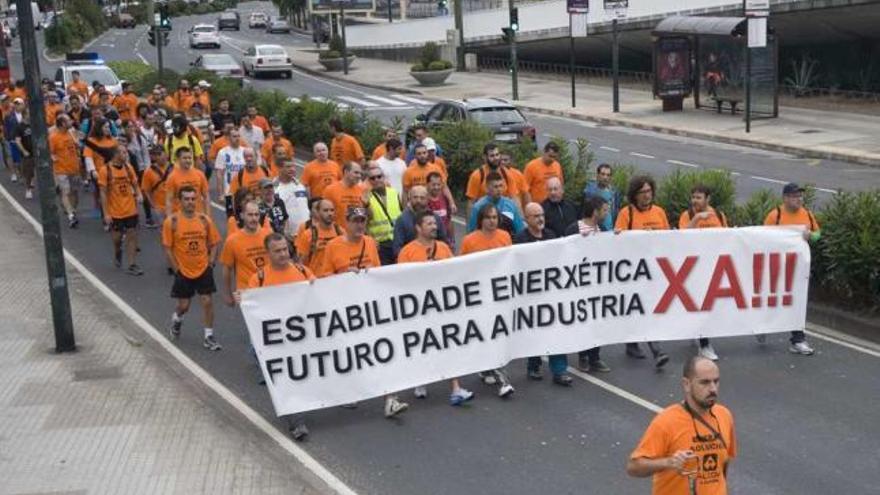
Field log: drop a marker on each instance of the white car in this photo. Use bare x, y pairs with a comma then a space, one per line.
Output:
204, 35
258, 20
91, 68
266, 59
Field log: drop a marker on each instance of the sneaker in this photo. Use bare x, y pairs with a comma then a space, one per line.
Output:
761, 338
583, 364
174, 329
488, 378
211, 343
563, 380
150, 224
460, 396
73, 222
660, 360
599, 366
393, 407
801, 348
299, 432
535, 374
634, 351
506, 390
420, 392
134, 270
29, 194
708, 352
14, 178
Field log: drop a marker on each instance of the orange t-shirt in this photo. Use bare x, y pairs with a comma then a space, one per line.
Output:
120, 184
192, 177
204, 99
126, 105
715, 220
80, 86
269, 145
518, 178
317, 176
184, 99
478, 241
153, 186
232, 226
261, 122
781, 216
343, 196
440, 162
289, 275
674, 429
65, 153
171, 102
476, 187
380, 150
312, 254
652, 219
537, 172
104, 142
218, 144
248, 180
245, 253
341, 255
52, 112
346, 148
415, 252
417, 175
190, 241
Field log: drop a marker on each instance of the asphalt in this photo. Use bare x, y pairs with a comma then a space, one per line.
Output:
805, 425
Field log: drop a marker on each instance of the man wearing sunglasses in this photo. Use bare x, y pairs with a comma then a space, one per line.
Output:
384, 209
689, 445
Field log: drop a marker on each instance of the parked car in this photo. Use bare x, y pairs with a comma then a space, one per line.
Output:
505, 120
221, 64
267, 59
204, 35
125, 21
229, 20
278, 25
258, 20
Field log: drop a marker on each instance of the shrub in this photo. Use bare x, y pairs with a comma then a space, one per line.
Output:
429, 53
327, 54
620, 177
82, 21
440, 65
462, 144
674, 191
305, 122
753, 211
130, 70
335, 44
520, 153
145, 84
575, 166
848, 252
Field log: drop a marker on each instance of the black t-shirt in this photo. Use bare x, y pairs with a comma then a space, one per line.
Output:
525, 236
277, 214
23, 131
219, 119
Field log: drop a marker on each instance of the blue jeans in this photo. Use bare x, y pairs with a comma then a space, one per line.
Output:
558, 364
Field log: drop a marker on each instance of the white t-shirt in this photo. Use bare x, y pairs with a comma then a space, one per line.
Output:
393, 170
253, 137
296, 200
229, 161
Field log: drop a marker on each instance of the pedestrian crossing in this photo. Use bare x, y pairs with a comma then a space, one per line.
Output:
370, 102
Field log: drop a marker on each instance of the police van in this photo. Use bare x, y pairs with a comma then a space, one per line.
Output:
91, 68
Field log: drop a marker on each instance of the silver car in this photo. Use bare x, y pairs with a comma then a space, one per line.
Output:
277, 25
204, 35
221, 64
266, 59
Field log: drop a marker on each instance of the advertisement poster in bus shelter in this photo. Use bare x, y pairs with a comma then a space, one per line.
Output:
327, 6
672, 67
578, 6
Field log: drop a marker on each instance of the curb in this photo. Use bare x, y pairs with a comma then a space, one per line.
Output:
870, 161
327, 75
843, 321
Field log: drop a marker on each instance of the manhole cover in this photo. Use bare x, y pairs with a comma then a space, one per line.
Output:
809, 131
106, 373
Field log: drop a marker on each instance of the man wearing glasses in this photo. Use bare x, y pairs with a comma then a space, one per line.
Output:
689, 445
383, 210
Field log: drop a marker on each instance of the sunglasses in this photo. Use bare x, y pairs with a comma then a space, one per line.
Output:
375, 177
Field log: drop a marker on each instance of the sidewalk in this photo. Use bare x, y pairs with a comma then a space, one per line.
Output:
812, 133
118, 416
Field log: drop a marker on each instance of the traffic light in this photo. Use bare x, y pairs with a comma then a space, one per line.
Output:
164, 18
507, 35
163, 34
514, 19
165, 38
152, 37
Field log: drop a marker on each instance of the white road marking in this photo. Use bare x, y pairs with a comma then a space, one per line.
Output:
614, 389
387, 101
142, 58
200, 373
735, 174
829, 191
609, 148
324, 99
683, 164
358, 101
765, 179
641, 155
842, 339
411, 99
392, 109
293, 99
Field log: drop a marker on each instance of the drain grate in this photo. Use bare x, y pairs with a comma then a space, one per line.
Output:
105, 373
809, 131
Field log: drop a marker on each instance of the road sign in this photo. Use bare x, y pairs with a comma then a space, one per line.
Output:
327, 6
579, 25
756, 8
757, 32
578, 6
157, 18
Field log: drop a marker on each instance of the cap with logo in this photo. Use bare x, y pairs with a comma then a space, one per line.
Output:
266, 182
355, 212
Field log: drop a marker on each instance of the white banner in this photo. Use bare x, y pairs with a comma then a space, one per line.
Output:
355, 336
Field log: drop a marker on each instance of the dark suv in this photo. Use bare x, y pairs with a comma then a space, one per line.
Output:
229, 20
505, 120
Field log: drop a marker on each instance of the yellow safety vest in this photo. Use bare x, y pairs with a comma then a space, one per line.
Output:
382, 218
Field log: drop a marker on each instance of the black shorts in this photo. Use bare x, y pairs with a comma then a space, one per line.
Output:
123, 224
186, 288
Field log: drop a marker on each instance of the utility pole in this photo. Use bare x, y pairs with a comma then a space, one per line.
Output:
389, 11
160, 40
344, 43
615, 65
511, 33
571, 55
59, 296
459, 28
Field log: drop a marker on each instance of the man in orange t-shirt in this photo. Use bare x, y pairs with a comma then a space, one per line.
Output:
344, 147
221, 142
313, 238
643, 214
81, 87
476, 185
126, 103
250, 176
153, 183
190, 239
688, 446
281, 268
381, 149
244, 253
352, 251
275, 138
347, 193
416, 173
184, 173
320, 172
540, 169
517, 177
120, 195
257, 119
793, 212
66, 165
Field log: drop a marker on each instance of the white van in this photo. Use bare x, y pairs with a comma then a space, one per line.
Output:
35, 10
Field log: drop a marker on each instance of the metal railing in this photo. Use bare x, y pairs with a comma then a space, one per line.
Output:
557, 70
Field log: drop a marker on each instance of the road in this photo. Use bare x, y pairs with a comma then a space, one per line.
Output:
805, 425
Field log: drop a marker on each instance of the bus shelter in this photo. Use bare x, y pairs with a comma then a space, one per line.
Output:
709, 58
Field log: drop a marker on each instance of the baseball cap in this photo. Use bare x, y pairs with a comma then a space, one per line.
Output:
204, 84
266, 182
792, 188
17, 101
355, 212
430, 144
